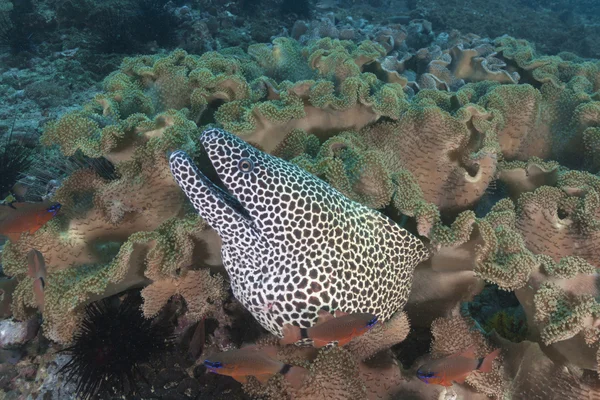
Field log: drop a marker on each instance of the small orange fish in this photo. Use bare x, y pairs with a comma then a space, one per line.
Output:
250, 361
329, 329
37, 271
455, 368
16, 218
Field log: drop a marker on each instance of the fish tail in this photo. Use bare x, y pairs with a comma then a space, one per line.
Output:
295, 375
13, 236
486, 364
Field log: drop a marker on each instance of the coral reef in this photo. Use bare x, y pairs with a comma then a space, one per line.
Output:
555, 29
485, 149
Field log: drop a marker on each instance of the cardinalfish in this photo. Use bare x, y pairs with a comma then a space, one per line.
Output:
455, 368
37, 271
328, 330
17, 218
251, 361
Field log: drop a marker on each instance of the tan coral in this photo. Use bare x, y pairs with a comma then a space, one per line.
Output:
562, 312
382, 376
182, 244
365, 368
448, 278
315, 107
453, 335
69, 290
349, 166
558, 225
201, 290
465, 255
534, 376
439, 293
333, 374
380, 337
450, 171
114, 218
477, 64
491, 247
523, 132
450, 69
521, 177
102, 240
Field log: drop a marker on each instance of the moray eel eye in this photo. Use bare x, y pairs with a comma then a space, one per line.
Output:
246, 165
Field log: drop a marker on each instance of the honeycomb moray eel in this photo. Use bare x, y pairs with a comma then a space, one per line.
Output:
292, 244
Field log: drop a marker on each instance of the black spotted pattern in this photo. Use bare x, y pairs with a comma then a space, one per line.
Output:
299, 245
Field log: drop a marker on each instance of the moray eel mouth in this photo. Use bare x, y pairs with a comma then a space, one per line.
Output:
211, 180
202, 180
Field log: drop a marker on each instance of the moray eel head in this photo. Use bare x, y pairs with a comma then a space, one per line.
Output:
239, 168
253, 184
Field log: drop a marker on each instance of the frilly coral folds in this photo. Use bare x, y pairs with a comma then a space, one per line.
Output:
426, 150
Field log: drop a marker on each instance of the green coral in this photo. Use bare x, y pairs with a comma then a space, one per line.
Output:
562, 315
428, 160
352, 169
510, 324
567, 268
75, 132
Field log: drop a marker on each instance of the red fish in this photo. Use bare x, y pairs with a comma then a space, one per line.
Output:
37, 271
250, 361
455, 368
329, 329
16, 218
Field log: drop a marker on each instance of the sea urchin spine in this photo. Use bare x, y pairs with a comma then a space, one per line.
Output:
113, 340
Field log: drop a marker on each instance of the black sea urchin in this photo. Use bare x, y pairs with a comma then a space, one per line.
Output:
14, 160
113, 341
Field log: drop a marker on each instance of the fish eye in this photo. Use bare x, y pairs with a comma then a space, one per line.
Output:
246, 165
